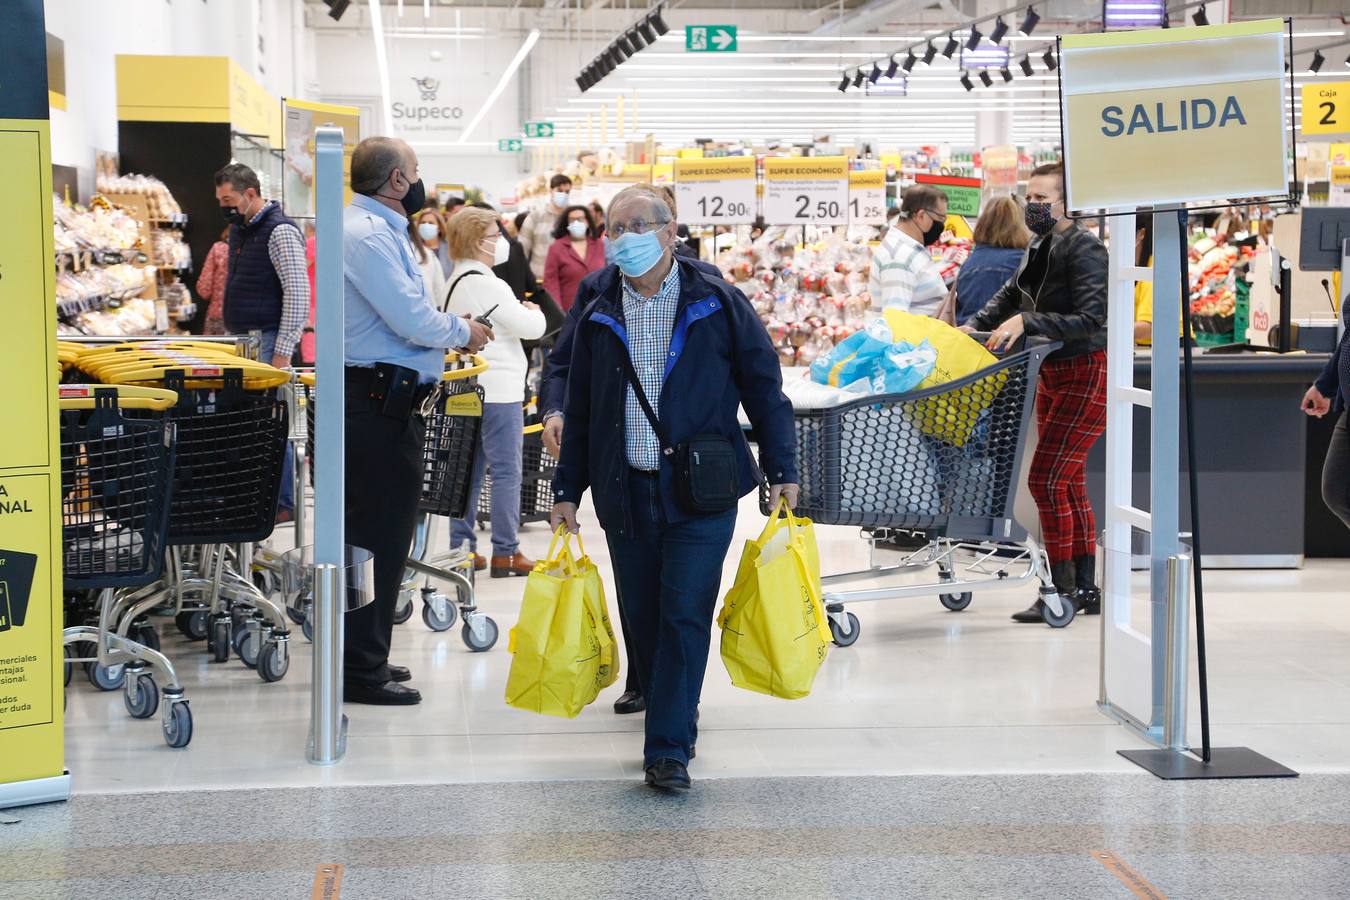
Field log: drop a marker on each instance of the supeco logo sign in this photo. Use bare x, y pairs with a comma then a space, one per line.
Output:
426, 113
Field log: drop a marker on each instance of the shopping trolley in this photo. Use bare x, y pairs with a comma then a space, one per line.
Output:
536, 480
232, 431
452, 426
117, 456
943, 462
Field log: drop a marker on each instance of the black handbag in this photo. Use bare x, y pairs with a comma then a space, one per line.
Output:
706, 471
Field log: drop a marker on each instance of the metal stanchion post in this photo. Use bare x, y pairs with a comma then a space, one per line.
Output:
327, 724
1178, 651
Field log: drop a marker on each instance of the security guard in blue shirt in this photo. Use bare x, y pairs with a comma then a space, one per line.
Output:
395, 351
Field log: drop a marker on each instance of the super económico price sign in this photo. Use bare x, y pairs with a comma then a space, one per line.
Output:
1174, 115
810, 190
867, 197
716, 191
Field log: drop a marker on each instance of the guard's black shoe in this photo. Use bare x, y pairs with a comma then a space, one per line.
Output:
668, 775
387, 694
631, 702
399, 673
1030, 614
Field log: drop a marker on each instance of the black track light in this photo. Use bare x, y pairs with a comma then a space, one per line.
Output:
894, 66
1051, 64
603, 66
635, 39
858, 77
1000, 30
975, 37
1316, 65
657, 22
644, 28
929, 52
966, 82
623, 44
952, 46
1200, 17
617, 53
1030, 22
336, 8
1007, 75
1347, 61
1026, 65
874, 74
581, 83
986, 79
843, 83
910, 61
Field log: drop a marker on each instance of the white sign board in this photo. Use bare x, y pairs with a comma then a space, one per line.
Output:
716, 191
867, 197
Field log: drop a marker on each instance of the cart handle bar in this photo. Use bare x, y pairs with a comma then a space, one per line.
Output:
81, 396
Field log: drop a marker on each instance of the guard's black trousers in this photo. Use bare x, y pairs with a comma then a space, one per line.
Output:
383, 486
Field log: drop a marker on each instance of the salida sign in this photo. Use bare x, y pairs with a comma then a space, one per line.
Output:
428, 112
1194, 115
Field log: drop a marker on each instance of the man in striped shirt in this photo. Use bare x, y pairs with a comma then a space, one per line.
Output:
903, 272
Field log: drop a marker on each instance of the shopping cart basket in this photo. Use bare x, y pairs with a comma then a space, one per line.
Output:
117, 456
536, 481
944, 461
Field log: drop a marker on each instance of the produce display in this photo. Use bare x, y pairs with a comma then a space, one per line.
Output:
158, 200
100, 227
1214, 285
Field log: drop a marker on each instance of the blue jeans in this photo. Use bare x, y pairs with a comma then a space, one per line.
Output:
669, 578
287, 501
499, 451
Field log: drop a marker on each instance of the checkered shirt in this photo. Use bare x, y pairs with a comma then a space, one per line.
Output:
649, 323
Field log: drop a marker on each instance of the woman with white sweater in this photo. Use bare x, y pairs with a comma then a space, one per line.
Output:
476, 245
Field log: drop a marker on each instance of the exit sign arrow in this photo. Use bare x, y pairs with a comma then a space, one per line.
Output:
539, 129
710, 38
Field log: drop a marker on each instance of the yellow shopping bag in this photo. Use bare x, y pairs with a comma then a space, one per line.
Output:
947, 417
774, 631
562, 648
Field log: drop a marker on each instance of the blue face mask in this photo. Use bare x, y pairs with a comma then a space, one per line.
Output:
636, 254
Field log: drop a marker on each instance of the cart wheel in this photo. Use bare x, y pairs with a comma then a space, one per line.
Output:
307, 627
403, 612
178, 727
106, 678
245, 647
69, 666
471, 639
441, 622
1059, 621
272, 666
845, 637
956, 602
295, 615
141, 696
192, 622
144, 633
220, 640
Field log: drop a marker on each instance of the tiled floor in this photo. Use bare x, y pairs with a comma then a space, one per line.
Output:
1006, 836
922, 691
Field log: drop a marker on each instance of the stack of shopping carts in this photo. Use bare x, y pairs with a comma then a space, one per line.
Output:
536, 479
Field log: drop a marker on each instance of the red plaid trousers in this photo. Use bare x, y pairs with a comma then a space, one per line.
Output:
1071, 416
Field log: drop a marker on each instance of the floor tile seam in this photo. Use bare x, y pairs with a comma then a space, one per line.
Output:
708, 729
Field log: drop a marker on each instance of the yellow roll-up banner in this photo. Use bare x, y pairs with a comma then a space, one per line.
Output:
1176, 115
32, 764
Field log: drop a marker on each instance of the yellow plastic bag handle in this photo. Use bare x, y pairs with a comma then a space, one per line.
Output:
563, 554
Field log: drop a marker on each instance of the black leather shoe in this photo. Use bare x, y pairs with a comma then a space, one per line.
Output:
631, 702
387, 694
1088, 601
668, 775
1031, 614
399, 673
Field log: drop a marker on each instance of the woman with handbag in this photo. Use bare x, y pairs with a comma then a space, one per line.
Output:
476, 245
576, 252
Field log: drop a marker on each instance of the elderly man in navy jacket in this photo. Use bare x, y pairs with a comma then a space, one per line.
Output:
699, 352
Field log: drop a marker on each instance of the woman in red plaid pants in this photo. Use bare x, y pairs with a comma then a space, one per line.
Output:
1059, 293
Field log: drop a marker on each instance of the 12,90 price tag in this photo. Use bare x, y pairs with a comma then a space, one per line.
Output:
806, 191
867, 197
716, 191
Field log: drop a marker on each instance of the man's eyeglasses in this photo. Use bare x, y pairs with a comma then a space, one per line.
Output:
638, 227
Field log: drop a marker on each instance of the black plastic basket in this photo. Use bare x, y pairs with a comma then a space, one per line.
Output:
536, 484
944, 460
231, 447
450, 447
115, 495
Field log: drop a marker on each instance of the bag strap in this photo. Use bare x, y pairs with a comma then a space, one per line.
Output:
454, 284
631, 376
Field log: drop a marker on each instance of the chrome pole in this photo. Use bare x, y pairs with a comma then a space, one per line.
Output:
328, 742
1178, 651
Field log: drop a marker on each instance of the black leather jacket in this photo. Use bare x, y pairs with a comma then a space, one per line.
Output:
1060, 290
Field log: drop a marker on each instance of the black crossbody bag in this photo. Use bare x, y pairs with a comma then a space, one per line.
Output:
706, 473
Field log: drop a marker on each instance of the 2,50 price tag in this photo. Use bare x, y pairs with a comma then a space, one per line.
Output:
867, 197
716, 191
806, 191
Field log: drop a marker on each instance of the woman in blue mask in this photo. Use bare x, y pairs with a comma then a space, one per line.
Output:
665, 352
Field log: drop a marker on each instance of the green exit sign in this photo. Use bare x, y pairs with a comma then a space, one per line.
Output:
510, 145
710, 38
539, 129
